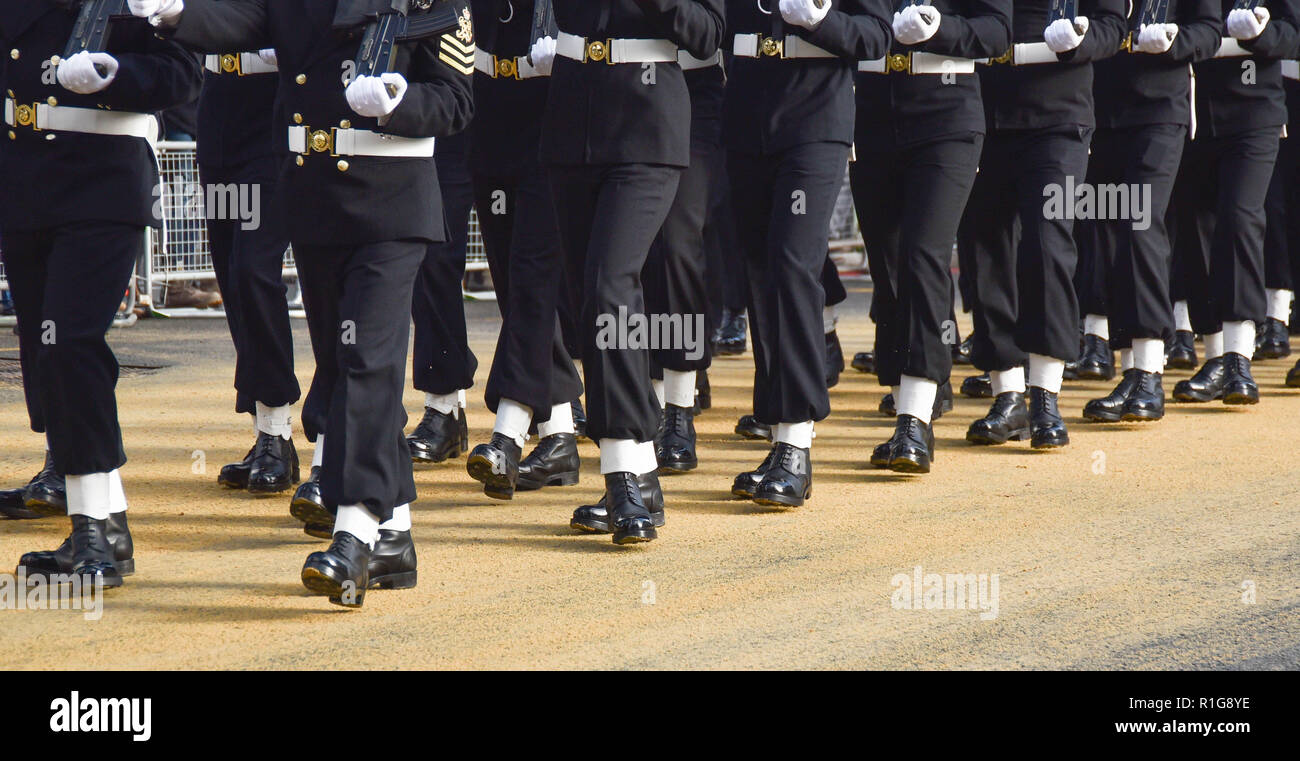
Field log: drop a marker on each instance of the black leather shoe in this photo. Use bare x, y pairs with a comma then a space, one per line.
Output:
1110, 408
1272, 340
750, 427
341, 573
1205, 386
745, 483
46, 494
629, 516
594, 519
274, 468
834, 359
788, 479
977, 387
308, 507
1008, 420
1181, 352
235, 475
887, 406
553, 462
729, 339
703, 392
961, 352
1293, 376
92, 555
496, 465
579, 419
61, 560
1239, 385
865, 362
913, 446
439, 436
12, 505
880, 455
1097, 362
1046, 428
675, 444
392, 564
1147, 401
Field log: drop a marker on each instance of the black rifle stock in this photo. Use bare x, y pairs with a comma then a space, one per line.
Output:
375, 56
92, 27
544, 24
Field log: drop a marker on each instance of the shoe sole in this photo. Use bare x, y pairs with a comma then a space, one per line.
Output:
427, 459
636, 537
1096, 417
1141, 417
1055, 444
124, 568
1240, 399
904, 465
780, 501
594, 527
322, 585
232, 484
271, 490
1193, 398
405, 580
749, 433
989, 441
310, 512
568, 478
676, 469
495, 485
319, 530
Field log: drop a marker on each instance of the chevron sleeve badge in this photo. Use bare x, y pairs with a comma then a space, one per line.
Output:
456, 49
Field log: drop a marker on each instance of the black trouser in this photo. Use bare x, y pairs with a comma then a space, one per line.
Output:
67, 283
725, 266
909, 200
442, 361
783, 204
609, 216
1129, 277
357, 300
1282, 207
1220, 203
673, 276
531, 365
1024, 292
249, 266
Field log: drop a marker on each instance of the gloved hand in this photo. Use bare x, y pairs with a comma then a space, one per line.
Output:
1156, 38
78, 73
805, 13
916, 23
268, 56
369, 96
543, 55
1063, 35
1247, 24
159, 12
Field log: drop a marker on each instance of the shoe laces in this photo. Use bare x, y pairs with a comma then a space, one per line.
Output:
263, 445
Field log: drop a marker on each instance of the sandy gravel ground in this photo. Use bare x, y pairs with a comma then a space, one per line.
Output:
1134, 548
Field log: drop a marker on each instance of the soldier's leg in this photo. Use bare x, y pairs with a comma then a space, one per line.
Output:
1273, 335
750, 179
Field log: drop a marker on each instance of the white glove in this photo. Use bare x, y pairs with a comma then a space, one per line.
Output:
159, 12
805, 13
369, 96
268, 56
78, 73
1062, 35
916, 23
1156, 38
543, 55
1245, 24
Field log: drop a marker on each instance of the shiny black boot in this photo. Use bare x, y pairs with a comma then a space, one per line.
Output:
1239, 385
308, 507
235, 475
1008, 420
274, 467
1046, 427
553, 462
1205, 386
675, 444
61, 560
629, 517
750, 427
47, 493
341, 573
496, 465
594, 519
788, 479
1181, 352
1147, 400
393, 564
913, 446
1110, 408
92, 555
439, 436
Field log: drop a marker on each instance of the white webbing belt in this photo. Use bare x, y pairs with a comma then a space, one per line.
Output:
1291, 69
1229, 47
615, 51
689, 62
92, 121
751, 46
919, 63
243, 64
361, 142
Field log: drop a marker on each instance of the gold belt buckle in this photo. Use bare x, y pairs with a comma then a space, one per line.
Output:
320, 141
1007, 57
230, 64
25, 115
506, 67
771, 47
1127, 43
899, 62
600, 50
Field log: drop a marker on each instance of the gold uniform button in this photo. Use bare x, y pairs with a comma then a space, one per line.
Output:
299, 160
297, 118
55, 60
12, 136
10, 93
343, 165
53, 101
301, 79
345, 124
14, 54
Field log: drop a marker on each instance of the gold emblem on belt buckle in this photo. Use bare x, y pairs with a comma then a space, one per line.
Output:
508, 68
321, 141
598, 50
230, 64
25, 115
900, 62
771, 47
1007, 57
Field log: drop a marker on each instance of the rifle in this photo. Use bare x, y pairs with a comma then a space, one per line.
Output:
544, 24
375, 56
92, 27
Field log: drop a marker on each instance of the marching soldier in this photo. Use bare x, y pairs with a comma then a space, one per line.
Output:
1240, 113
79, 132
789, 125
1039, 107
1282, 207
236, 149
1143, 119
533, 380
362, 176
920, 127
615, 141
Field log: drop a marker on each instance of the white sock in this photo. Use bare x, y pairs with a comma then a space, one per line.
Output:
1125, 360
627, 456
1182, 318
357, 521
660, 393
444, 403
513, 420
318, 456
679, 388
1213, 345
829, 319
460, 399
89, 495
1097, 325
1239, 338
401, 520
1045, 372
275, 421
795, 434
1148, 355
116, 494
916, 397
1279, 304
561, 421
1008, 380
895, 390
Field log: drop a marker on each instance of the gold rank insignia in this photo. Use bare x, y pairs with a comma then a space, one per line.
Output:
457, 49
466, 31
